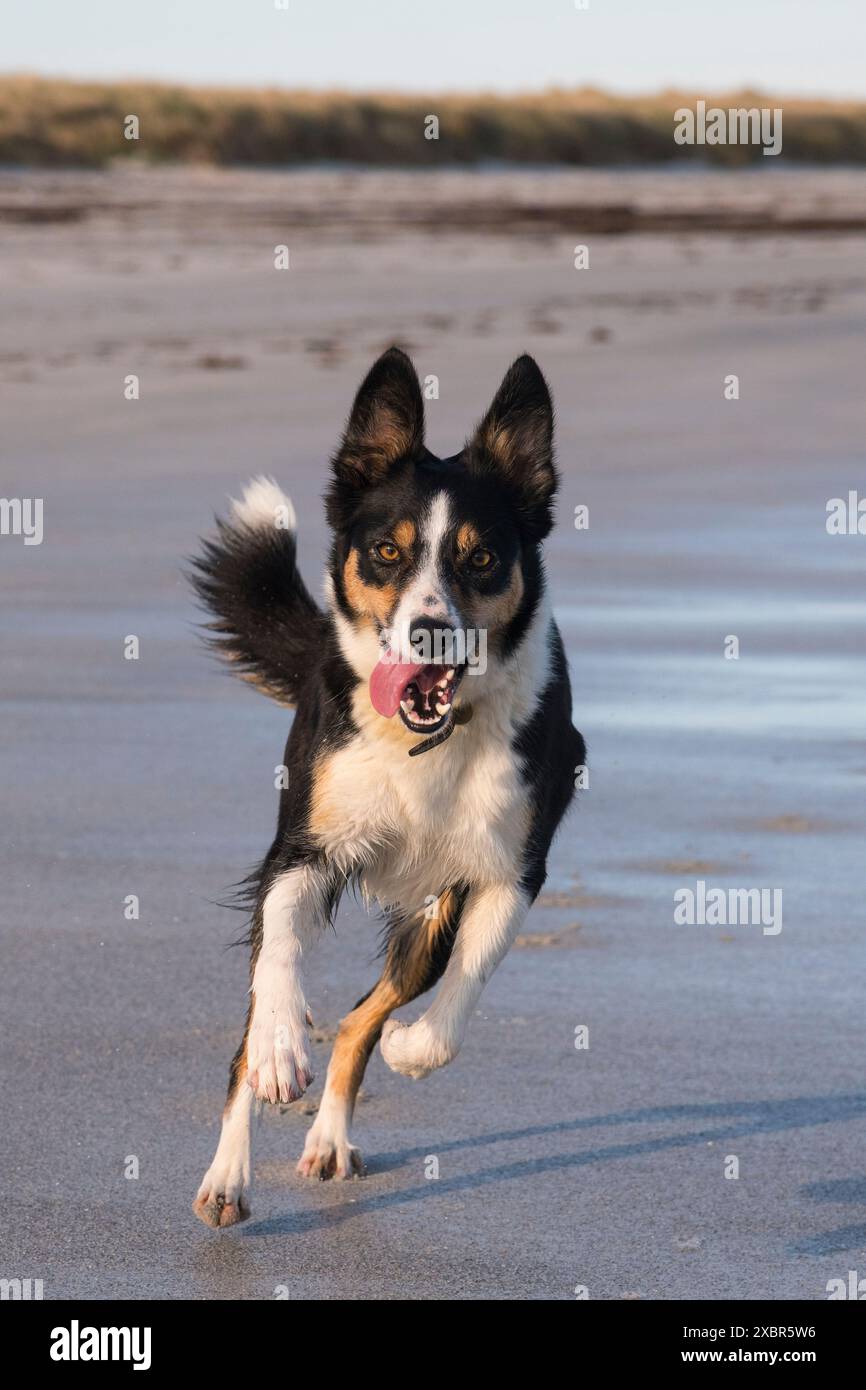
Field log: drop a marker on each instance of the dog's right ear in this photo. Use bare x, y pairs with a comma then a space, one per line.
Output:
386, 425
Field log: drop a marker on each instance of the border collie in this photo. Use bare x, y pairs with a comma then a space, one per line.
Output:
431, 756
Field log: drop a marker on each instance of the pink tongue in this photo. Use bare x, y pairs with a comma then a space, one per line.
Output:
387, 683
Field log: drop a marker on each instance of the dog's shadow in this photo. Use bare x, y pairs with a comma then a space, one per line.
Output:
726, 1121
844, 1191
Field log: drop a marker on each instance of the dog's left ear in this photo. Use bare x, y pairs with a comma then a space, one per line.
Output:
386, 425
514, 443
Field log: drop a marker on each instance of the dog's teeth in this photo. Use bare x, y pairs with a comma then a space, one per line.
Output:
449, 675
407, 705
442, 709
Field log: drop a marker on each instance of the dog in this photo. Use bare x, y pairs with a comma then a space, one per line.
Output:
431, 757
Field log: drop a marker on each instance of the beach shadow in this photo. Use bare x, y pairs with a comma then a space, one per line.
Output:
832, 1242
726, 1121
844, 1237
837, 1190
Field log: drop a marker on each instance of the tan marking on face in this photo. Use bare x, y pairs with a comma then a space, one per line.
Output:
404, 534
495, 611
368, 600
468, 538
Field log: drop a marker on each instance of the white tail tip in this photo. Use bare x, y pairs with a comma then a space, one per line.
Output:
264, 504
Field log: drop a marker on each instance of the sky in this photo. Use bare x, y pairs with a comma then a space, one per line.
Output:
808, 47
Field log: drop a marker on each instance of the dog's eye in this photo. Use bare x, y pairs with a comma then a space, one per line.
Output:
387, 551
481, 559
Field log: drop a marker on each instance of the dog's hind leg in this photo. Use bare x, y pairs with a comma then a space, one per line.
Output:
221, 1199
416, 955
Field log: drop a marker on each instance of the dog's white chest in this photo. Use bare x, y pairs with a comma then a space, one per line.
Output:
416, 826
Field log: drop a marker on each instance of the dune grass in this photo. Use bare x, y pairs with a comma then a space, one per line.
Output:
56, 123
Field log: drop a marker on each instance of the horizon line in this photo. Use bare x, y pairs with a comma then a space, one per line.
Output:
610, 93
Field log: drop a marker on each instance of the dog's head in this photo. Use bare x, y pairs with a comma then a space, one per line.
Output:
436, 567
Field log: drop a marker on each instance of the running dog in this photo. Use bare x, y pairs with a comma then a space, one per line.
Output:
432, 754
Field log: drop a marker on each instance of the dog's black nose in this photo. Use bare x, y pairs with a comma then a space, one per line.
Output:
432, 640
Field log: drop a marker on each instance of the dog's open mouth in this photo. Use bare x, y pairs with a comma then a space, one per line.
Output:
424, 695
425, 705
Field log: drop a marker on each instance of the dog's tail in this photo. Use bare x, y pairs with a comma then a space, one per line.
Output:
266, 623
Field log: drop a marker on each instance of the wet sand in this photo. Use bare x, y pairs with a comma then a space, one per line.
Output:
557, 1167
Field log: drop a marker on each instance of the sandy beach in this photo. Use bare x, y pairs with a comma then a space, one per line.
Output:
560, 1168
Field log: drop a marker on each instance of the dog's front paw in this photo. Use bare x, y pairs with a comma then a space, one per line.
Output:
221, 1200
413, 1049
278, 1061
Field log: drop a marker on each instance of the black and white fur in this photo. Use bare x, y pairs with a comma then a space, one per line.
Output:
451, 845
